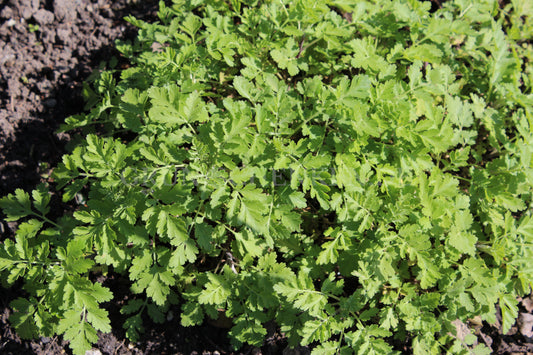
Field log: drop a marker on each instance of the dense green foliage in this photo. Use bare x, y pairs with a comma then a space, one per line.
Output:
357, 171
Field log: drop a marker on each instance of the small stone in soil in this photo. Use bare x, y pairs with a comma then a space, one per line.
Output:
28, 8
65, 10
528, 303
525, 321
43, 17
6, 12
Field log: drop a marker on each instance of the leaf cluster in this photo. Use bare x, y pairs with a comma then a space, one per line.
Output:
358, 172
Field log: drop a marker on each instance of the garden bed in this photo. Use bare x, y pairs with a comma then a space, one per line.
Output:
47, 51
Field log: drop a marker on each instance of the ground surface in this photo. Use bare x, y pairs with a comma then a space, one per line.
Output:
47, 49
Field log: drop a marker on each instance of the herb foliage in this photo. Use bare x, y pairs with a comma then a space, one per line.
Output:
358, 172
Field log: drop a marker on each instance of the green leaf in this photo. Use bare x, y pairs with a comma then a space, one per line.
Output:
247, 244
191, 314
460, 238
251, 211
133, 326
157, 284
509, 201
22, 318
298, 200
302, 295
176, 229
16, 206
41, 199
509, 309
140, 264
248, 330
155, 313
191, 24
80, 334
132, 306
482, 349
216, 291
99, 319
193, 109
244, 87
315, 330
388, 318
330, 250
286, 57
185, 252
424, 52
326, 348
29, 229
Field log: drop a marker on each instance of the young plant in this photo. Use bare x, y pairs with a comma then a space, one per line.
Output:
358, 172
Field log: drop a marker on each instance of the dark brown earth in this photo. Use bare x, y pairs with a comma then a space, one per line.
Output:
48, 48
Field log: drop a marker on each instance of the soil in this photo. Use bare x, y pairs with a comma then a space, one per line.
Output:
48, 48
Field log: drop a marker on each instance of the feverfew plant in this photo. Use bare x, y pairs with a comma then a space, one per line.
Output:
358, 172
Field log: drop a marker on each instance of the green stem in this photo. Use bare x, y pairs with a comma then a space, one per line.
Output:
36, 262
47, 220
217, 222
195, 216
309, 45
